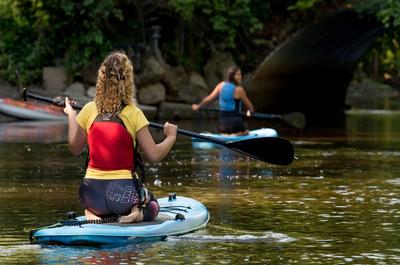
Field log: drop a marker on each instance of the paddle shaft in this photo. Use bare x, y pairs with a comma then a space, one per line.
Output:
61, 102
191, 134
274, 150
241, 113
295, 119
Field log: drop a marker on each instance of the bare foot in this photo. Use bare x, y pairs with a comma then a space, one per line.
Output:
126, 219
134, 217
91, 216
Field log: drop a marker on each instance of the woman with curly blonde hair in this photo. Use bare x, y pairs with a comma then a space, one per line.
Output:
110, 126
115, 85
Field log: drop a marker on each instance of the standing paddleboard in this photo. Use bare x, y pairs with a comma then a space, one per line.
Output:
178, 215
263, 132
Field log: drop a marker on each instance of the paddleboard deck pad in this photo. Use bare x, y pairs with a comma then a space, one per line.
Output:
178, 215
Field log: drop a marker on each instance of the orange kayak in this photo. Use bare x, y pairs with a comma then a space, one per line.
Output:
29, 110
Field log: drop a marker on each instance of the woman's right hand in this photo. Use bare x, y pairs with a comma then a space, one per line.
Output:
170, 129
195, 107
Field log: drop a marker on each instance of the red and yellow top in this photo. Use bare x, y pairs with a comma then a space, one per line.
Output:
110, 143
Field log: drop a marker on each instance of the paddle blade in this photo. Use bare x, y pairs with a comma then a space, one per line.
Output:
295, 119
273, 150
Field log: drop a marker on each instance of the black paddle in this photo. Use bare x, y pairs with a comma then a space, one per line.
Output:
295, 119
274, 150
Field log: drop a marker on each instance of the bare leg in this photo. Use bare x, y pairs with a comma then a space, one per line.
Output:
135, 216
246, 132
91, 216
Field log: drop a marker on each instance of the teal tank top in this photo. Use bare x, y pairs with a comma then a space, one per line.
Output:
227, 101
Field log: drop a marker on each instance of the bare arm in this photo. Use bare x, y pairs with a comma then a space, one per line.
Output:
210, 98
241, 94
76, 135
155, 152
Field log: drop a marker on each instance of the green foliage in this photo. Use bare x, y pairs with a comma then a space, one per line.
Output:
19, 47
388, 13
78, 30
303, 5
37, 33
208, 26
78, 33
222, 21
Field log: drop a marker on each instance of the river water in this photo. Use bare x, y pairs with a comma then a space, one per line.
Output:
337, 203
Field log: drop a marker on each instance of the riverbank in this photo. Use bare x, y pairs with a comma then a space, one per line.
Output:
164, 91
172, 111
361, 94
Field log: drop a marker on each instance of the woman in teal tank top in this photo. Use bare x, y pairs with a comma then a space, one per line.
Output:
231, 97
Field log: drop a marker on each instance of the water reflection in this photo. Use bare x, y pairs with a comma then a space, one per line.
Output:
338, 203
33, 131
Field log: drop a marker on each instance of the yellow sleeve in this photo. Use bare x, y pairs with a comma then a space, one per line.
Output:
134, 119
141, 120
87, 115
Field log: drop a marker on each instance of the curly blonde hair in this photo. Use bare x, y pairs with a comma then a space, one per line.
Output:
115, 87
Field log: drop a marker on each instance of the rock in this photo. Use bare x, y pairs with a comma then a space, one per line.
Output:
153, 72
149, 111
175, 78
195, 79
89, 75
77, 92
152, 94
54, 79
369, 88
91, 92
194, 90
176, 111
7, 90
216, 68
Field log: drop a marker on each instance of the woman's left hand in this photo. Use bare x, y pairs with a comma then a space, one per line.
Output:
68, 107
170, 129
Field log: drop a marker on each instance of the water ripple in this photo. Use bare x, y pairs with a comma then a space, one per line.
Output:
244, 238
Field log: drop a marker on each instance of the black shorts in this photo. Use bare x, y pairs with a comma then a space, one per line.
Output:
231, 122
114, 198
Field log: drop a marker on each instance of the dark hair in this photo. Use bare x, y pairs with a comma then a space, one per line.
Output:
231, 74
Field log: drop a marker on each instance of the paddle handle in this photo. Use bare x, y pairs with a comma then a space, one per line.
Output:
59, 101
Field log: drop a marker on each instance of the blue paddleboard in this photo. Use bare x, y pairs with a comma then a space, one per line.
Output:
178, 215
263, 132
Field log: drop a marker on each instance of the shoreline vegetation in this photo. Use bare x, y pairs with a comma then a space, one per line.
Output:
178, 63
361, 94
